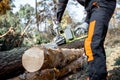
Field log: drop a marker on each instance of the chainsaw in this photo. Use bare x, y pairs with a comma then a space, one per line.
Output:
67, 36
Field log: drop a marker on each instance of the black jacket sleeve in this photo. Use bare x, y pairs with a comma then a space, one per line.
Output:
82, 2
61, 8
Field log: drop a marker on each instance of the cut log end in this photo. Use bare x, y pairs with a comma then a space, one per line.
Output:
33, 59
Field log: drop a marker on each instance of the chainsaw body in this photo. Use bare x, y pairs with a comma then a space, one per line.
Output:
67, 36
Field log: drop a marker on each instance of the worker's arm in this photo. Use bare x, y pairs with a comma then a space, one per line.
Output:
61, 8
82, 2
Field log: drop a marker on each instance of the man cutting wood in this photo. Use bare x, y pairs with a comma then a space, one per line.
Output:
99, 13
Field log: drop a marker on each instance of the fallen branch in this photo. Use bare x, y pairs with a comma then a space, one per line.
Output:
11, 30
28, 25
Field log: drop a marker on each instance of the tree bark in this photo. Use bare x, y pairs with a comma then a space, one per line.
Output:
76, 44
60, 57
10, 62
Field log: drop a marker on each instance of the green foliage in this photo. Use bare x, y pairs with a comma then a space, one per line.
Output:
117, 63
26, 11
7, 21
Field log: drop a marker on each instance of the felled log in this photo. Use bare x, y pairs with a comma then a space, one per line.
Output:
10, 62
36, 58
54, 73
76, 44
71, 67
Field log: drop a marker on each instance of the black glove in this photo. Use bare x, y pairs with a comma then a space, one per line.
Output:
81, 29
57, 27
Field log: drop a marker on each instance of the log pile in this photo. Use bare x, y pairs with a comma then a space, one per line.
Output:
39, 63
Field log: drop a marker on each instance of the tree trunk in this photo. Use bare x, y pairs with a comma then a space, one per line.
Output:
49, 58
10, 62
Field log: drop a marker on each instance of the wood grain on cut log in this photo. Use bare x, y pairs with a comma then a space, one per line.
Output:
33, 59
10, 62
52, 58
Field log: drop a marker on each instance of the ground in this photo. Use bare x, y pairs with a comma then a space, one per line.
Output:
112, 47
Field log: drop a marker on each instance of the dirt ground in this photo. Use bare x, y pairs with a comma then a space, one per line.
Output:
112, 47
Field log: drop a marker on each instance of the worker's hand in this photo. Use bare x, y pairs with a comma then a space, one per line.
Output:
56, 27
81, 29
